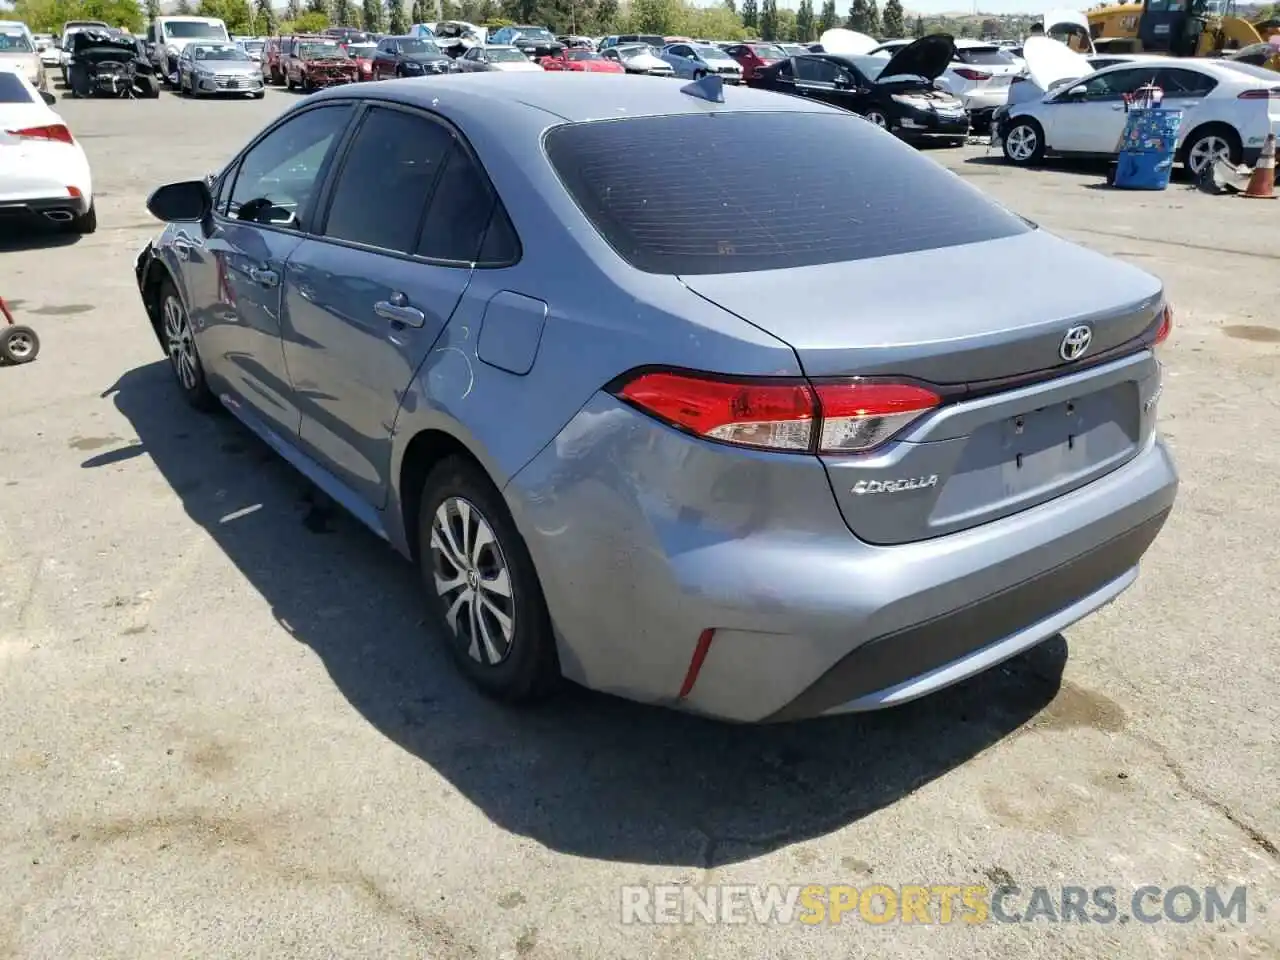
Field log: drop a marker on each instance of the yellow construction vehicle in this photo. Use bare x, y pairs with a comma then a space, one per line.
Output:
1180, 28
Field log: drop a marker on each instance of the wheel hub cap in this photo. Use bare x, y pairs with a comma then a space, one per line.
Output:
472, 579
182, 348
20, 345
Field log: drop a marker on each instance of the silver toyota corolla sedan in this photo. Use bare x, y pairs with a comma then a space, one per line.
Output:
740, 434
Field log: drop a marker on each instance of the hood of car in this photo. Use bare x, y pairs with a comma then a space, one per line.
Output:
847, 42
425, 57
514, 66
643, 60
927, 57
594, 66
1049, 62
327, 63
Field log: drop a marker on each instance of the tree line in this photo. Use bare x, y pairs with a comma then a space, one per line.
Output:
732, 20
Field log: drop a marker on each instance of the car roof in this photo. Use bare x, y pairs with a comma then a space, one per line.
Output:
574, 97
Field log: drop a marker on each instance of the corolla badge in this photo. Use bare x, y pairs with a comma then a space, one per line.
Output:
1076, 342
894, 486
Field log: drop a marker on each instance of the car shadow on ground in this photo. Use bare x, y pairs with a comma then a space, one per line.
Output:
584, 774
33, 233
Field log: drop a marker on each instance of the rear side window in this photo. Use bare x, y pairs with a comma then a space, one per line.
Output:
459, 214
12, 89
385, 180
1184, 83
814, 188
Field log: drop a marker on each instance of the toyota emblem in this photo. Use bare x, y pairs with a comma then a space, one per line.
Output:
1075, 343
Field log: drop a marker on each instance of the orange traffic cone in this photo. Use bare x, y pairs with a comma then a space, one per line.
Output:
1262, 184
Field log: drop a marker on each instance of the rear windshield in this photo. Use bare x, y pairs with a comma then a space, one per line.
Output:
12, 89
505, 56
814, 188
984, 56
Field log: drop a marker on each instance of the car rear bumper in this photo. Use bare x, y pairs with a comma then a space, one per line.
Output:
56, 208
645, 538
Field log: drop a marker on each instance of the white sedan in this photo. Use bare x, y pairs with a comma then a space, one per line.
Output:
1228, 108
43, 170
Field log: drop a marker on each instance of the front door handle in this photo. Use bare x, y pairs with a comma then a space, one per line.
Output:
397, 310
268, 278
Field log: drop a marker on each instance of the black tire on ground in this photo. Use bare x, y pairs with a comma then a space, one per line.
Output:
18, 344
149, 86
86, 222
529, 668
699, 74
1016, 132
195, 389
288, 82
260, 94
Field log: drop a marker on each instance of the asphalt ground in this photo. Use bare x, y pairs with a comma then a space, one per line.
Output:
223, 732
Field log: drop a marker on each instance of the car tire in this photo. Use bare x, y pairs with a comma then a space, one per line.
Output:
86, 222
260, 94
1023, 142
1212, 141
699, 74
180, 346
877, 117
288, 82
18, 344
469, 553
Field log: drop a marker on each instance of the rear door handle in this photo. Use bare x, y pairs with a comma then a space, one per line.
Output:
400, 313
268, 278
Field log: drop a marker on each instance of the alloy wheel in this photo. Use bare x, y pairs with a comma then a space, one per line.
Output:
473, 580
1207, 150
878, 118
181, 344
1021, 143
21, 345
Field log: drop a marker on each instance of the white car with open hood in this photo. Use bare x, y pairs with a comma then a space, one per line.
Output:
1228, 109
43, 170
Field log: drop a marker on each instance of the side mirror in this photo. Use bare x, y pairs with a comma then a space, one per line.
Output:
1076, 93
188, 201
49, 99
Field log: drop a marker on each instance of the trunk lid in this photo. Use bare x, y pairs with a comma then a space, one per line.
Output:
986, 322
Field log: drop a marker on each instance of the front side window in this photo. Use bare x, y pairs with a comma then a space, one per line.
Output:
386, 180
279, 175
1115, 84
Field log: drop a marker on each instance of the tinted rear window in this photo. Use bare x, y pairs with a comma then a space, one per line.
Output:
813, 188
984, 56
12, 89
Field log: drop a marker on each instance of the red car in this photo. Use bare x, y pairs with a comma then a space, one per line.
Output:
362, 53
582, 61
754, 56
315, 62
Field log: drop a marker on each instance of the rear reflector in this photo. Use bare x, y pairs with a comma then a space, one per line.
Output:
1270, 93
696, 661
56, 132
782, 414
972, 74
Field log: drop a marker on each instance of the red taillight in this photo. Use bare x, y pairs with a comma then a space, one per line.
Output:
1269, 93
789, 415
54, 131
1166, 326
972, 74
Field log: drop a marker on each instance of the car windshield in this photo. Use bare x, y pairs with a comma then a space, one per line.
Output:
193, 30
870, 66
711, 53
220, 53
583, 55
321, 51
13, 89
364, 50
252, 46
540, 34
418, 45
505, 55
15, 43
787, 202
767, 51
